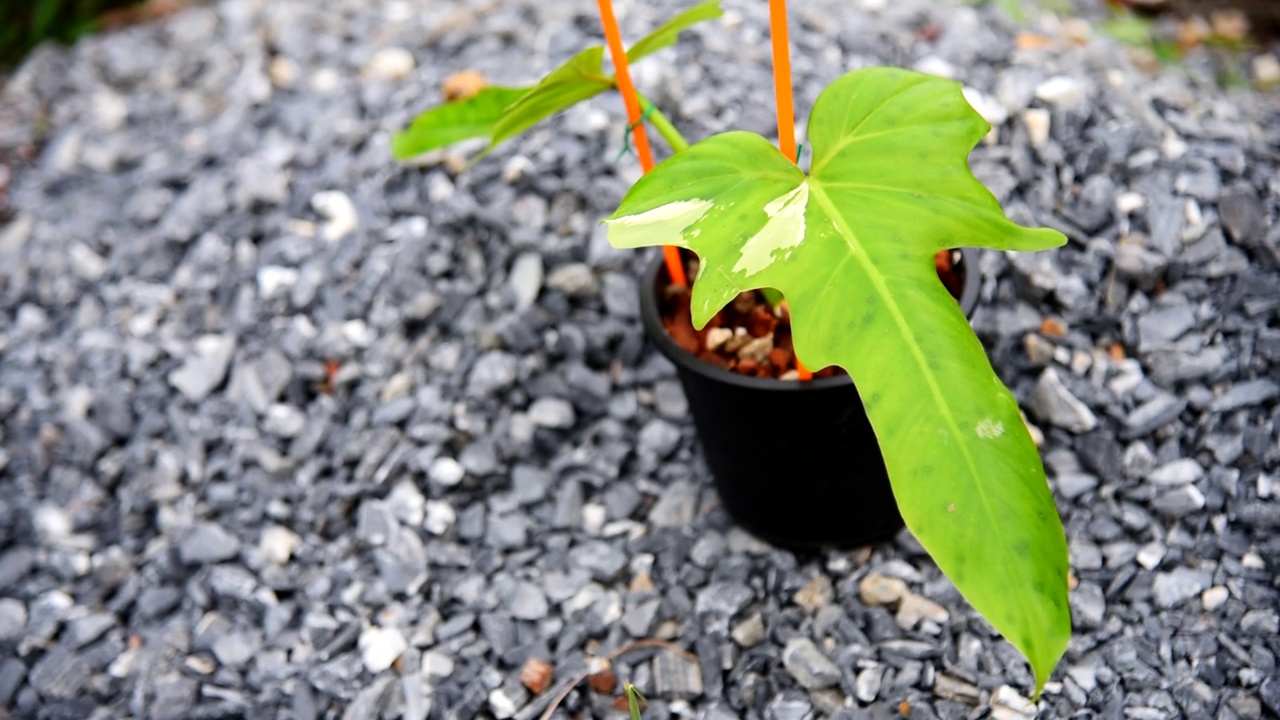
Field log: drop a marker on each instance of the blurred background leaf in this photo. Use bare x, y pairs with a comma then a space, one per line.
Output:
27, 23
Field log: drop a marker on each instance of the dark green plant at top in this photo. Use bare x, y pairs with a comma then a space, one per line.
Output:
26, 23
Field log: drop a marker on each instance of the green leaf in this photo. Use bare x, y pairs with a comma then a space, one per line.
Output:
1128, 28
852, 246
1013, 8
46, 11
667, 33
455, 121
634, 700
501, 113
579, 78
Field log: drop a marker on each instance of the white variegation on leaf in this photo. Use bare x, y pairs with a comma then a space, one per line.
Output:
670, 220
851, 246
784, 229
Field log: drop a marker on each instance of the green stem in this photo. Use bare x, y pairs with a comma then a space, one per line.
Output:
664, 127
634, 700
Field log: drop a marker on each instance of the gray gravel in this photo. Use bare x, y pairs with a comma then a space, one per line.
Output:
288, 430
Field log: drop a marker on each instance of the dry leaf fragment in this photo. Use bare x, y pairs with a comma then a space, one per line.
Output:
1052, 327
640, 583
1230, 25
462, 85
537, 675
1032, 41
1192, 31
603, 681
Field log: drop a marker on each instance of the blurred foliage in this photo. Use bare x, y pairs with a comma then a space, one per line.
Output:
1016, 10
27, 23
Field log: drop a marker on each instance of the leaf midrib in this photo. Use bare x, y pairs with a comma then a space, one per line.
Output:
877, 280
850, 136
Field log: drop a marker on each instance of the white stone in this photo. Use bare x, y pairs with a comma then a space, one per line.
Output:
991, 109
525, 280
718, 336
407, 503
551, 412
1086, 676
574, 280
516, 168
13, 620
749, 632
501, 705
358, 333
390, 64
1173, 146
1252, 561
339, 213
283, 71
1214, 598
1037, 121
1266, 70
877, 589
1150, 555
1007, 704
277, 544
934, 65
379, 648
88, 264
1128, 377
439, 517
1179, 472
205, 368
110, 110
1062, 91
866, 686
284, 421
1130, 202
593, 518
1053, 403
326, 81
52, 523
122, 666
14, 234
439, 188
446, 472
275, 279
914, 609
436, 664
77, 401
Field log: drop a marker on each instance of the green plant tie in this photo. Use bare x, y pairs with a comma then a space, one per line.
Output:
626, 135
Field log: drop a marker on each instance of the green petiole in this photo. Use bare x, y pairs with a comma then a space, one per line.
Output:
634, 700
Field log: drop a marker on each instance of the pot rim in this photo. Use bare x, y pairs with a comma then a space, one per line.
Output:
657, 332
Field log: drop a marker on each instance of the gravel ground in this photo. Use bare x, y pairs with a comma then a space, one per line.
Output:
287, 430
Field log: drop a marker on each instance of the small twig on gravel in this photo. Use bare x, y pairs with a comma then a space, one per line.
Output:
632, 647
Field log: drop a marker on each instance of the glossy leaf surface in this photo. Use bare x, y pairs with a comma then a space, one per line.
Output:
666, 34
851, 246
501, 113
453, 122
580, 77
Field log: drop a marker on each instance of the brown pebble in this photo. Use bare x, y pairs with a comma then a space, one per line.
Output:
536, 675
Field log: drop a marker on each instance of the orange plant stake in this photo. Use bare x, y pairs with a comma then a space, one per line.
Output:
675, 268
782, 78
782, 92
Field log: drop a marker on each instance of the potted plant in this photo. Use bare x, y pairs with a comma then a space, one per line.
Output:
847, 253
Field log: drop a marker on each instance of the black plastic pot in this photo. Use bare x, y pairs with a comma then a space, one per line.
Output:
795, 463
